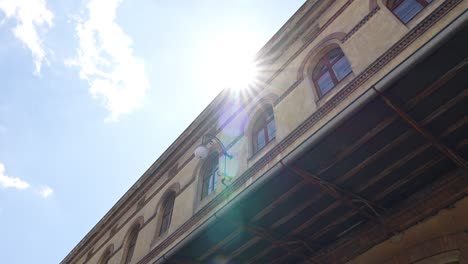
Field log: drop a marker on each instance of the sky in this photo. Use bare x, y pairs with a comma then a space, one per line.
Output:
93, 92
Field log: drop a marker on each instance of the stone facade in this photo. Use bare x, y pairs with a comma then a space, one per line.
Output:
374, 41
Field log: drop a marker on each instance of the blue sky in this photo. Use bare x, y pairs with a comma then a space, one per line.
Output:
92, 92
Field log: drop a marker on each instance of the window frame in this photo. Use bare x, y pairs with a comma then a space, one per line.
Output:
131, 244
329, 64
261, 126
105, 257
210, 175
423, 3
166, 214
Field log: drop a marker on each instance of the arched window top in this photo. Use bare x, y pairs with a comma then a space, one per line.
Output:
330, 70
131, 243
167, 209
405, 10
264, 129
105, 257
210, 173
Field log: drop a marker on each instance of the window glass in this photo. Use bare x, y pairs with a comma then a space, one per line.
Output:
271, 129
167, 213
260, 139
325, 83
210, 177
321, 68
215, 178
334, 55
106, 257
342, 68
407, 10
206, 183
131, 245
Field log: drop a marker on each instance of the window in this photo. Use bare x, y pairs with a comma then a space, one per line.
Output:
132, 239
331, 69
105, 257
210, 175
166, 217
405, 10
264, 130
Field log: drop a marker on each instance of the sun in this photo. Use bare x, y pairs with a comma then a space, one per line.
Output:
229, 62
235, 69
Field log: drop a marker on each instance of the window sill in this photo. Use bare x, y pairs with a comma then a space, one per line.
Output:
159, 239
203, 202
324, 98
262, 151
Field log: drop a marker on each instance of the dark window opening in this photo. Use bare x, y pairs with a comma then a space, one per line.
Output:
210, 175
166, 217
264, 129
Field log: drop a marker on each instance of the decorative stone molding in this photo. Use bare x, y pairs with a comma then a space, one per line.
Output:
361, 23
370, 71
320, 48
173, 172
141, 203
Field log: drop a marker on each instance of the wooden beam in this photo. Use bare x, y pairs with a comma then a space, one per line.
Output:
220, 244
439, 83
301, 206
259, 215
424, 166
357, 144
278, 240
386, 171
426, 134
279, 200
382, 125
400, 139
346, 197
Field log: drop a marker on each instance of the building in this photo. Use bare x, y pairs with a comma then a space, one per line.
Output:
352, 149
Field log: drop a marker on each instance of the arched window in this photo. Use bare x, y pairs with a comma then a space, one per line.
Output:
210, 175
405, 10
105, 257
167, 208
131, 244
264, 130
330, 70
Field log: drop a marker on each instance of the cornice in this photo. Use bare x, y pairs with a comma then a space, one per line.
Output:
196, 128
323, 111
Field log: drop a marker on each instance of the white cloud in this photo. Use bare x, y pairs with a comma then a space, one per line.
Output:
31, 16
106, 60
45, 191
11, 182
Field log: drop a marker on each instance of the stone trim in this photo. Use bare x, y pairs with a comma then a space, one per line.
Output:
319, 50
371, 70
373, 4
81, 248
361, 23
